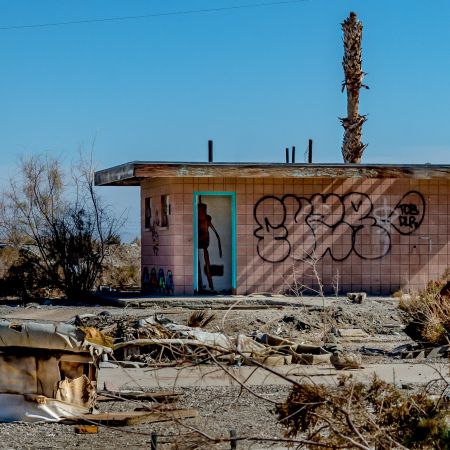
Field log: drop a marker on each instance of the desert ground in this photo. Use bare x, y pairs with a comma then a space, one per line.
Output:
227, 396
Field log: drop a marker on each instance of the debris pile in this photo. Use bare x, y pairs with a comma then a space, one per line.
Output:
157, 340
48, 372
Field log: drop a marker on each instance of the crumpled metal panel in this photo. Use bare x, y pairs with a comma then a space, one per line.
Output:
43, 370
30, 408
48, 336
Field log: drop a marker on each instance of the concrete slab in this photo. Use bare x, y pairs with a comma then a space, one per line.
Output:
243, 301
399, 373
54, 315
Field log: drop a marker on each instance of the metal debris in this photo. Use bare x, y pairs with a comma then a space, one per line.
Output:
48, 371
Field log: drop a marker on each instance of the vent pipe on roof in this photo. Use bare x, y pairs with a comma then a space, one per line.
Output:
287, 155
310, 142
210, 151
293, 154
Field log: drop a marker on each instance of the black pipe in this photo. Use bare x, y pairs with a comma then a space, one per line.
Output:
210, 151
154, 441
287, 155
293, 154
310, 142
233, 439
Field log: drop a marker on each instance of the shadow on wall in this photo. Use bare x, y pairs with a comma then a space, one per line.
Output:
374, 237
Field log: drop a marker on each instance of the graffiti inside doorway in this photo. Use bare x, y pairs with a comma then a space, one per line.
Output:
214, 244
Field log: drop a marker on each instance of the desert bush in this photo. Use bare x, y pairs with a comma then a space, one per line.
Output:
21, 273
355, 415
63, 222
426, 314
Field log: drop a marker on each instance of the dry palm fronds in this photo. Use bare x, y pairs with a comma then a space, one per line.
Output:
199, 319
352, 148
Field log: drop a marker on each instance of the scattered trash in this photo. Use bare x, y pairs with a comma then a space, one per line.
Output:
299, 325
357, 297
409, 351
86, 429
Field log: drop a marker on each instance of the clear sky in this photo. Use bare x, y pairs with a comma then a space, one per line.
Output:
253, 79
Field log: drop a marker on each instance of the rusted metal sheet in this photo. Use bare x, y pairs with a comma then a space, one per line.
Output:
132, 173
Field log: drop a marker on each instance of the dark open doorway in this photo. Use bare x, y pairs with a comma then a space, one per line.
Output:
214, 242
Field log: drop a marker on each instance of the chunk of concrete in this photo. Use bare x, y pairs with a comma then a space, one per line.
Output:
350, 333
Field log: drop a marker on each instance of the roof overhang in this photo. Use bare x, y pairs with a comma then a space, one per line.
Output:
131, 174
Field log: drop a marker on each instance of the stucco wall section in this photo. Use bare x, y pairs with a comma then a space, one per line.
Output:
376, 235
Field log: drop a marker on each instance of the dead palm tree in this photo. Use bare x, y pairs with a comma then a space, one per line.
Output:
352, 148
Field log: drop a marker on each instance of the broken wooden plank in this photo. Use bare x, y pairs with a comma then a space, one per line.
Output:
120, 419
159, 397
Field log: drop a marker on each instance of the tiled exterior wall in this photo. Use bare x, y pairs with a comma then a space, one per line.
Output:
371, 235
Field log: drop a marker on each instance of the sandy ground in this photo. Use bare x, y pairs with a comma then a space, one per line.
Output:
220, 407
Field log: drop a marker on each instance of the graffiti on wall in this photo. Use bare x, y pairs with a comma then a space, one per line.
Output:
157, 283
310, 227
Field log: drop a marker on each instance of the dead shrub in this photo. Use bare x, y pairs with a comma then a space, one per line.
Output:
22, 275
354, 415
58, 216
427, 313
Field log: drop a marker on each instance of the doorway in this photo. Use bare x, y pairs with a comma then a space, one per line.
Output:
214, 242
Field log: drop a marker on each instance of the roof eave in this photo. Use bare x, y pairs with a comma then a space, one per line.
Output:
122, 175
131, 174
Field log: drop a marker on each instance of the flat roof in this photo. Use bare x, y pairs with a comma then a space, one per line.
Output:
132, 173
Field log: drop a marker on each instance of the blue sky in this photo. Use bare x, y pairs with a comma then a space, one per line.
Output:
255, 80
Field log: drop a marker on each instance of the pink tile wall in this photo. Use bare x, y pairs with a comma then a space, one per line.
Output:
352, 232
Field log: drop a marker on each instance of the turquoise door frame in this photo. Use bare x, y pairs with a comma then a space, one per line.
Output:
233, 234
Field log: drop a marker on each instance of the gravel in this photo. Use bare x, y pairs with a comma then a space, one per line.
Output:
220, 408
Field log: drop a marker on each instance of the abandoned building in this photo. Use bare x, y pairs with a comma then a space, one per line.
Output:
275, 228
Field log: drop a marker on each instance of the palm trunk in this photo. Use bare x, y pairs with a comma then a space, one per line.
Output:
352, 148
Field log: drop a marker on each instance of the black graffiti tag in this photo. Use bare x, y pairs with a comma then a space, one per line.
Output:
409, 212
303, 228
